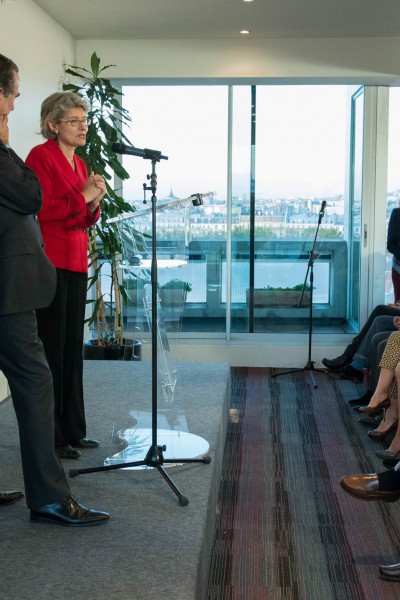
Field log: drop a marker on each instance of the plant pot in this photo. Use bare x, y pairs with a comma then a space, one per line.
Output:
263, 298
173, 297
130, 350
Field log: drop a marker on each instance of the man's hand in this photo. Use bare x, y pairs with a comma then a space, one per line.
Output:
396, 322
4, 128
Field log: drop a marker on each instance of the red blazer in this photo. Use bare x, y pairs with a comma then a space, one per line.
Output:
64, 217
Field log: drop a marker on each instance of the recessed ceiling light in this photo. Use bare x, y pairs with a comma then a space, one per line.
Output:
245, 31
247, 0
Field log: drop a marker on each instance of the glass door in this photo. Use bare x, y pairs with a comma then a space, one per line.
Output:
357, 232
300, 157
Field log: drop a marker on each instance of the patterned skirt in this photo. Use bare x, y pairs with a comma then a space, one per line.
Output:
390, 360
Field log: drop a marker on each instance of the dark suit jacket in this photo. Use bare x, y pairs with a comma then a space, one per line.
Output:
393, 237
27, 277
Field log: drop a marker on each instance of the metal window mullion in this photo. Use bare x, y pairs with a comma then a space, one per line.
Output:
252, 206
229, 218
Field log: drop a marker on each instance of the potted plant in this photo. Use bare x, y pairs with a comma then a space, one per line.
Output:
279, 296
174, 292
107, 118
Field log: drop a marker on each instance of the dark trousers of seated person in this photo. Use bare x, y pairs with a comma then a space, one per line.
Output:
60, 328
378, 346
380, 310
389, 481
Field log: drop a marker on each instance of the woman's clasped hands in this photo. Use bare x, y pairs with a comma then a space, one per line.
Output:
94, 190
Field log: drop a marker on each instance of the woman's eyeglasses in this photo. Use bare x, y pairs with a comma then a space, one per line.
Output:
75, 123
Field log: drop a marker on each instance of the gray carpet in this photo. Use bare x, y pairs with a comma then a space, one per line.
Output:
152, 548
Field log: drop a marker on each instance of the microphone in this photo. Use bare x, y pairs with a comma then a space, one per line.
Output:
120, 148
322, 210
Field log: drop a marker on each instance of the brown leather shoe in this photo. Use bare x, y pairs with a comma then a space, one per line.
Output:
390, 572
380, 435
366, 487
372, 410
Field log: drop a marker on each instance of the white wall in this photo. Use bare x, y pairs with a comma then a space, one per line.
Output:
39, 46
359, 60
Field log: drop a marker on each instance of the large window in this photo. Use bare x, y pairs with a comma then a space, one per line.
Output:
287, 149
393, 198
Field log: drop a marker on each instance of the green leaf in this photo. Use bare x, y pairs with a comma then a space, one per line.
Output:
109, 118
95, 64
70, 71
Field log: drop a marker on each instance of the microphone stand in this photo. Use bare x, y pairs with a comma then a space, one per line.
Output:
154, 457
309, 366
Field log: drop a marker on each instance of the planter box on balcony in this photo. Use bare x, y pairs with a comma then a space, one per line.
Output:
264, 298
173, 297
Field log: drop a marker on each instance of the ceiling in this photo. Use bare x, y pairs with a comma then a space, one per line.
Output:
223, 19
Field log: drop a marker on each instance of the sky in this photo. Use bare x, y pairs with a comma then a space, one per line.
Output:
301, 134
394, 140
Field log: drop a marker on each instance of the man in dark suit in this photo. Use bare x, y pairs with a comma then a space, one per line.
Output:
27, 282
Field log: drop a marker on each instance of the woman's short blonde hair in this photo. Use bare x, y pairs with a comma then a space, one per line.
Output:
55, 107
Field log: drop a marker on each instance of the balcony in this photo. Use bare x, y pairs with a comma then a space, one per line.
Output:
277, 263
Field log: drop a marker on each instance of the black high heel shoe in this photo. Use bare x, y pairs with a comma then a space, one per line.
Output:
372, 410
380, 435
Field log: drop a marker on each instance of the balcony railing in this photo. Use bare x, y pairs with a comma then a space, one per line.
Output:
278, 263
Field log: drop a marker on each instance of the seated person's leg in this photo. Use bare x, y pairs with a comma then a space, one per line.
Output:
363, 359
344, 359
383, 324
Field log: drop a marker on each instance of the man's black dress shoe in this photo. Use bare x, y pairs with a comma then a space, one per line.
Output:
350, 372
389, 463
67, 452
362, 400
374, 421
70, 513
335, 364
390, 572
10, 497
86, 443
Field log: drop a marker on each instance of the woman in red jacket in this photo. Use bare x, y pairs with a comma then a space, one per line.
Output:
70, 206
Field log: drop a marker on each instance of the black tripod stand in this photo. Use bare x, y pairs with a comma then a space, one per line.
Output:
154, 457
309, 366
